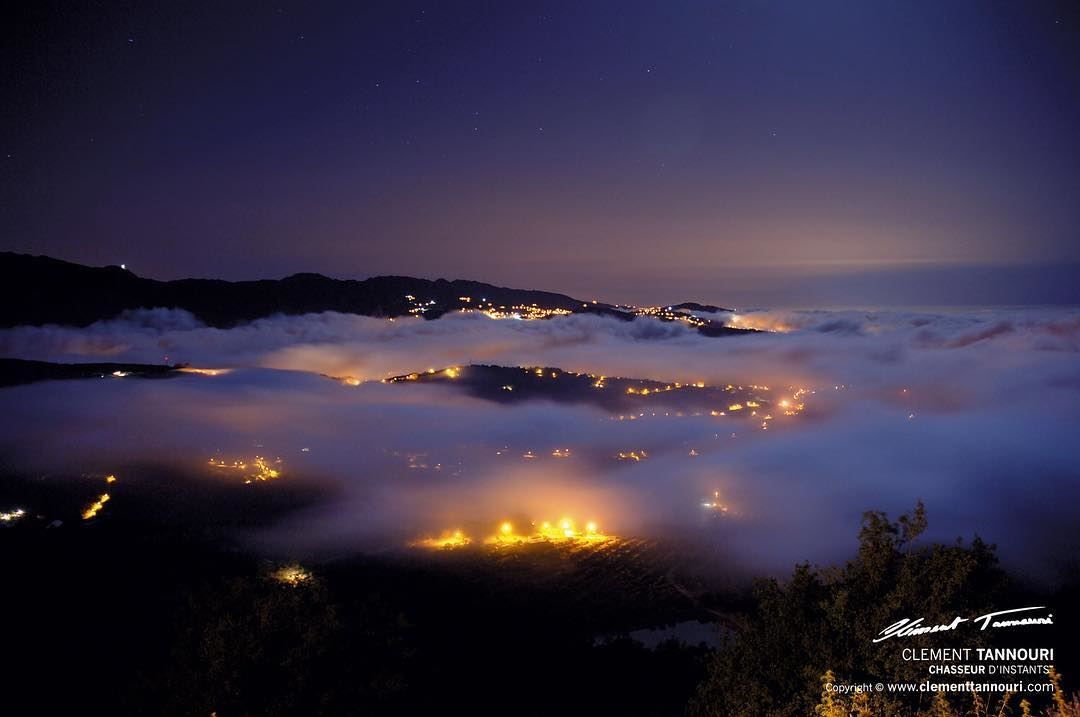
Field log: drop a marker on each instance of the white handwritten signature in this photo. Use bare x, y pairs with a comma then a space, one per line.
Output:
911, 628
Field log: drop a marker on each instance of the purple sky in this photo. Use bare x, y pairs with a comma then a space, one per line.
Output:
741, 153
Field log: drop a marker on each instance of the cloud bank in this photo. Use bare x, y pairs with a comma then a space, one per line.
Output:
974, 412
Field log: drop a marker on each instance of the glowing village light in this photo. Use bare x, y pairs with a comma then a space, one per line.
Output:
12, 515
204, 371
563, 532
291, 575
448, 540
715, 505
258, 470
94, 508
505, 535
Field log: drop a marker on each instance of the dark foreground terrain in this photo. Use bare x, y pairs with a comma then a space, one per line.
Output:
155, 606
152, 607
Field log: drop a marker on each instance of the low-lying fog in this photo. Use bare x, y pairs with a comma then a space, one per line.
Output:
974, 412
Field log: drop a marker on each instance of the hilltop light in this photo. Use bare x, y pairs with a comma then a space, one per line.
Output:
204, 371
12, 516
259, 469
95, 507
292, 575
715, 505
563, 533
448, 540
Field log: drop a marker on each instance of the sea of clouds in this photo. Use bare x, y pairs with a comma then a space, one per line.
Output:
974, 412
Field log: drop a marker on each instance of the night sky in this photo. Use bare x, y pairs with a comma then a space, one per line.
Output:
783, 153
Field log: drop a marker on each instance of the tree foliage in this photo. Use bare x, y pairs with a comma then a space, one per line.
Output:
823, 621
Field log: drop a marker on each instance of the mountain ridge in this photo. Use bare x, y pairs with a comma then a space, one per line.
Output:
38, 290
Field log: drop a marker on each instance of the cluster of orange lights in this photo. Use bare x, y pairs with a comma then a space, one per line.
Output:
448, 539
257, 470
94, 508
12, 515
523, 312
291, 575
757, 323
788, 406
204, 371
715, 505
645, 391
666, 313
450, 372
564, 531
